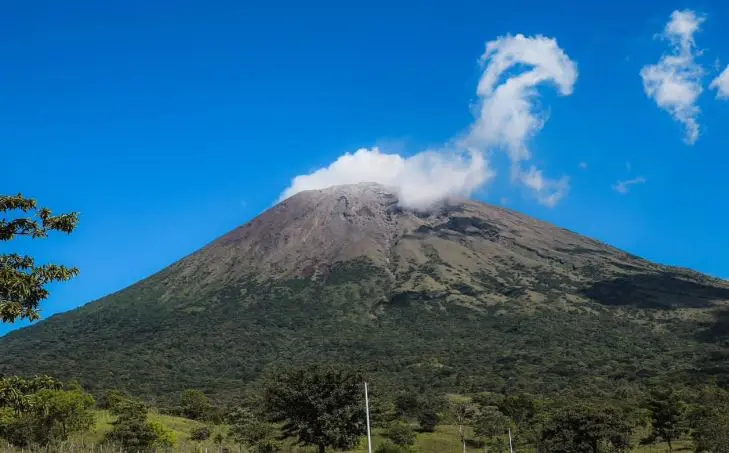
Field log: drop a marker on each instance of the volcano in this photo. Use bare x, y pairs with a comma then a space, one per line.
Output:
463, 297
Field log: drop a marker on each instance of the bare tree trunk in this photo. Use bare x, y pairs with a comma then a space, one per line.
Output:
462, 432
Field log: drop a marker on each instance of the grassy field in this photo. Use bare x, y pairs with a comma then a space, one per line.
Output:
443, 440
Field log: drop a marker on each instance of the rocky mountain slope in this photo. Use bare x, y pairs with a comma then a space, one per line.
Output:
467, 296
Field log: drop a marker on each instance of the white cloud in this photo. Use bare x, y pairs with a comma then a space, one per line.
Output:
508, 117
674, 83
721, 84
548, 192
623, 187
583, 165
420, 180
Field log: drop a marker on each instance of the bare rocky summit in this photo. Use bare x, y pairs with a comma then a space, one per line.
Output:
462, 249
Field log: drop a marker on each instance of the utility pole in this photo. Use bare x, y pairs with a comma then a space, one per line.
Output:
367, 409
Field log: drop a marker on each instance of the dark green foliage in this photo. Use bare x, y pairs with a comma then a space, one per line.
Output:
668, 415
23, 284
112, 399
521, 408
490, 423
388, 447
420, 407
200, 434
319, 406
583, 429
710, 421
248, 430
428, 419
131, 429
425, 346
195, 405
401, 434
407, 404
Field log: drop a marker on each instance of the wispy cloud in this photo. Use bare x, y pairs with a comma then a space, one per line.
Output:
674, 83
583, 165
549, 192
623, 187
721, 84
509, 114
508, 117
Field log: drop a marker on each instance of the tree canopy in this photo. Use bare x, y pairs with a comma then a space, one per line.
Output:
22, 282
39, 411
668, 415
582, 429
320, 406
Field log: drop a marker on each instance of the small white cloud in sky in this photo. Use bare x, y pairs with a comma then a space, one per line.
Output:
583, 165
623, 187
674, 83
508, 116
721, 84
549, 192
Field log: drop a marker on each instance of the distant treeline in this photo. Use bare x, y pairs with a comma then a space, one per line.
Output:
323, 407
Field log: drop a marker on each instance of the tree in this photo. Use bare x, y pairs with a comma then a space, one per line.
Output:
15, 391
60, 413
423, 408
463, 414
323, 407
710, 421
428, 419
407, 404
113, 398
253, 434
668, 415
22, 282
248, 430
521, 408
131, 428
583, 428
195, 405
400, 434
200, 434
490, 424
164, 437
38, 411
218, 439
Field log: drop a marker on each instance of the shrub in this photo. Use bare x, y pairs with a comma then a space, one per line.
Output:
164, 436
428, 419
200, 434
400, 434
389, 447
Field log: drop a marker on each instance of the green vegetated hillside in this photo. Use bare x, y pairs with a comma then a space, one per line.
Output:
466, 298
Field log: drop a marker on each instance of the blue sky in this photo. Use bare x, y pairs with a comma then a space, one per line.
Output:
166, 124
